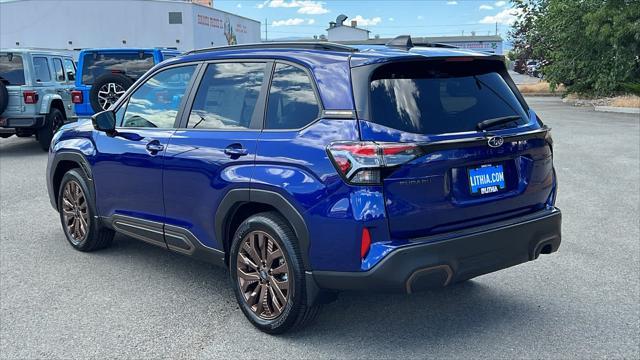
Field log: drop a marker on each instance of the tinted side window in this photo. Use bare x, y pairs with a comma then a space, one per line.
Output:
70, 69
227, 96
57, 67
155, 104
133, 65
41, 69
292, 101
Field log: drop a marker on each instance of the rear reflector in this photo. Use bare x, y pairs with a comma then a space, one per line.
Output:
77, 97
365, 243
30, 97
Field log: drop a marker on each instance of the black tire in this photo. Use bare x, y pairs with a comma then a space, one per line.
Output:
4, 97
97, 236
4, 136
120, 82
52, 122
295, 313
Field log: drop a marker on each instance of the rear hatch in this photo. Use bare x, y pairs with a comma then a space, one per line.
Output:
476, 154
94, 63
13, 77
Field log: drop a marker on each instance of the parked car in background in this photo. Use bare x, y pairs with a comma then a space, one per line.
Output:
519, 66
35, 93
533, 68
105, 74
310, 168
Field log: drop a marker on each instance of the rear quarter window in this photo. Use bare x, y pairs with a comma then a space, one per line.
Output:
292, 102
437, 97
133, 65
11, 69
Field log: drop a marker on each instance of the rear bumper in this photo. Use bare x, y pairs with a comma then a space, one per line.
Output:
440, 263
28, 122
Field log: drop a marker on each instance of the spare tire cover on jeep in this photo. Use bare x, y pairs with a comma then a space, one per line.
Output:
108, 88
4, 97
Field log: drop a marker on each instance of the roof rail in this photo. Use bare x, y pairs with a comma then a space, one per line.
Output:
315, 45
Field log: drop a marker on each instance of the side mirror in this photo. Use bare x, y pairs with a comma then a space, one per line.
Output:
105, 121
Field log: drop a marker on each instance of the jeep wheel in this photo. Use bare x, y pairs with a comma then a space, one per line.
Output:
267, 274
107, 89
77, 214
52, 122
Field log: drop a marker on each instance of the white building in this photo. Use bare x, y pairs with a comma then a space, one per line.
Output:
78, 24
338, 31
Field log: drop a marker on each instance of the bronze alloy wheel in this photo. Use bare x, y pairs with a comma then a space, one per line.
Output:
75, 212
263, 275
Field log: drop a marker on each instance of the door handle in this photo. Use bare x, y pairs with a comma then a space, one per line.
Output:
236, 151
154, 146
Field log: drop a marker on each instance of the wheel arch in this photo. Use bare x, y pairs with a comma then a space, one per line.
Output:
239, 204
61, 164
48, 101
58, 104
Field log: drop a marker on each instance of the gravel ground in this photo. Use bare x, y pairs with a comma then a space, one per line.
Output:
137, 301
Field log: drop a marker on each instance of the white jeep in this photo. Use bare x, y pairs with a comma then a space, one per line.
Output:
35, 93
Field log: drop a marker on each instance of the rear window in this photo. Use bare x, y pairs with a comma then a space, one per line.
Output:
11, 69
439, 97
133, 65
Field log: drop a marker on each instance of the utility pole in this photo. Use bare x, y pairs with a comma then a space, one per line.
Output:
496, 28
266, 29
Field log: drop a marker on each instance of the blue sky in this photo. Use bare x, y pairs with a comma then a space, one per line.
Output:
388, 18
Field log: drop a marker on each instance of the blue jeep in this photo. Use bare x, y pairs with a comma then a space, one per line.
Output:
105, 74
310, 168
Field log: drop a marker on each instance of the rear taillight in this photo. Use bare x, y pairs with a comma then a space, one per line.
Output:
76, 97
362, 162
30, 97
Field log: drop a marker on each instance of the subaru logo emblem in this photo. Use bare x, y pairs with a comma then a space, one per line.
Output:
495, 141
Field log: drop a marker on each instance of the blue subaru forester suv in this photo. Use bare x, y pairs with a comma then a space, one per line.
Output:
310, 168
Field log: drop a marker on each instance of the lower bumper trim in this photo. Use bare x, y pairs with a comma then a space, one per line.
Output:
436, 264
26, 122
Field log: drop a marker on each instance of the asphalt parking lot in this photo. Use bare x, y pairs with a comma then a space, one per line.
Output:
137, 301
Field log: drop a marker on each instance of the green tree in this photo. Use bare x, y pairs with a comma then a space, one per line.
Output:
592, 46
525, 36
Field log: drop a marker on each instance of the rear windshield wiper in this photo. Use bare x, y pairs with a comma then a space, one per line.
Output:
489, 123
